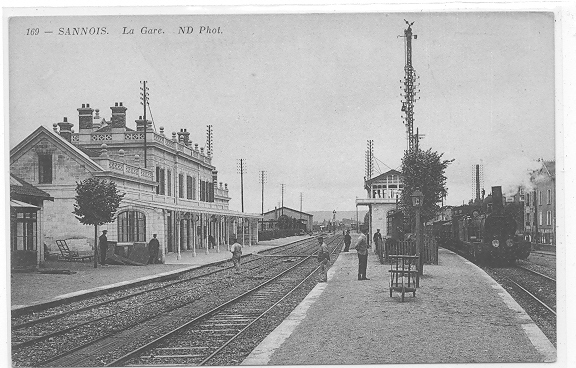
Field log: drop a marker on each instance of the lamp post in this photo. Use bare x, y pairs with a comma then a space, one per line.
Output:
417, 199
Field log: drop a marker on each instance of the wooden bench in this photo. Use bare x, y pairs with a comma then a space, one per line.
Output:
70, 255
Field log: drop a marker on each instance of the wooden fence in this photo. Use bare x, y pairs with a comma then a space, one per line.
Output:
408, 247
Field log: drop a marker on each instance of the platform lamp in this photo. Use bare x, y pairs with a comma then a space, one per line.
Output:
417, 200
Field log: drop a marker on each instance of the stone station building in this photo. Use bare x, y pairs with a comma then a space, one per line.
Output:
171, 187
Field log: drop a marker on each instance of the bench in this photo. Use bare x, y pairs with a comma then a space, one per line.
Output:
70, 255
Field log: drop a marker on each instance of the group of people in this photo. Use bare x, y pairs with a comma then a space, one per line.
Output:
153, 248
361, 249
236, 250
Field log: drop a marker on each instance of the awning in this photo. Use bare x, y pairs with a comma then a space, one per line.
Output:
18, 204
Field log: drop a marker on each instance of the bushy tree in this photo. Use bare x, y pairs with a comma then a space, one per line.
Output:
96, 203
425, 171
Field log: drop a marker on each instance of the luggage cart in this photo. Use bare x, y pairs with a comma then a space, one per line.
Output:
404, 277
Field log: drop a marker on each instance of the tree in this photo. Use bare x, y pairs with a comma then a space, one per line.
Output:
96, 203
424, 170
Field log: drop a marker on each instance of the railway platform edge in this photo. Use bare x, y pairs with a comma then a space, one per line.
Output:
30, 291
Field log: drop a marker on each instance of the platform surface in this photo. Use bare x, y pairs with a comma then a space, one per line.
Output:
459, 315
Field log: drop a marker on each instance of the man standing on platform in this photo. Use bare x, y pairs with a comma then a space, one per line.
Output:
347, 241
323, 258
236, 250
362, 250
153, 248
103, 247
377, 240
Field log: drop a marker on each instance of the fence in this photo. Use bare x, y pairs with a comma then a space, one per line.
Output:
408, 247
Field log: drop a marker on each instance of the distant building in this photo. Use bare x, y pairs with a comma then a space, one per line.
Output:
540, 205
383, 192
270, 218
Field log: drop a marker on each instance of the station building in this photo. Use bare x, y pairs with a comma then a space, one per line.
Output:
383, 192
171, 187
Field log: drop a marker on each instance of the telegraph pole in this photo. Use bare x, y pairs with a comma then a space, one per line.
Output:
369, 159
144, 97
242, 170
262, 180
282, 198
209, 140
300, 208
409, 91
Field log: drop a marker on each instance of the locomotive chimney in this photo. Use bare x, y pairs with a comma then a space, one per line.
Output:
497, 198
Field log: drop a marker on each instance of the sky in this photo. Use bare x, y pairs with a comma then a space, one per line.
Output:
299, 95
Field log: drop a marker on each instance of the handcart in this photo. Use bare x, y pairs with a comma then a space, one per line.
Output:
404, 276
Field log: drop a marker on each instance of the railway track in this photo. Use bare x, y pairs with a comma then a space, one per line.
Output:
534, 291
52, 338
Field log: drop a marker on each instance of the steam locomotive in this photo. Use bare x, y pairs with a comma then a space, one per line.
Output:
485, 232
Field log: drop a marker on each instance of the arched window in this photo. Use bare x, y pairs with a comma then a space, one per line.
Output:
131, 227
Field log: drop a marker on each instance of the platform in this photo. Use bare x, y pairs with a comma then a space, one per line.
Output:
29, 289
459, 315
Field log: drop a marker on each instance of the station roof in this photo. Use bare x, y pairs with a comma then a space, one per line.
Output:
21, 188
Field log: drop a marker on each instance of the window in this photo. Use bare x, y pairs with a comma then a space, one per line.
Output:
549, 218
160, 176
131, 226
23, 230
194, 188
540, 197
527, 219
202, 190
169, 183
180, 185
188, 187
549, 197
44, 169
528, 199
540, 218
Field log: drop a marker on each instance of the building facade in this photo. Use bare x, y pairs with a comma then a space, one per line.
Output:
540, 205
383, 192
171, 187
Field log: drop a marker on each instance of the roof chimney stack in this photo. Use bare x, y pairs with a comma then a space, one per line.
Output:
118, 116
85, 119
66, 129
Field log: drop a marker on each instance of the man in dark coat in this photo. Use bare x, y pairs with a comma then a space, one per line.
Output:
153, 248
103, 247
377, 240
347, 241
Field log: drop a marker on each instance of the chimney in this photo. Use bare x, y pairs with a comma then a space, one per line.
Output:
140, 124
97, 121
66, 129
181, 136
186, 137
85, 119
118, 116
497, 199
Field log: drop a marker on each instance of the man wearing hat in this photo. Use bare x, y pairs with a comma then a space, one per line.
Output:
103, 247
153, 248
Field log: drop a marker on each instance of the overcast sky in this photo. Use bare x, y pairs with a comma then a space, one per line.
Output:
299, 95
